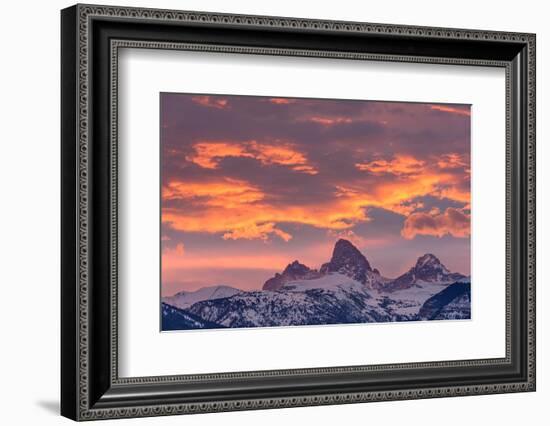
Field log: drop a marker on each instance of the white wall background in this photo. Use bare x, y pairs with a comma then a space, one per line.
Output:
29, 214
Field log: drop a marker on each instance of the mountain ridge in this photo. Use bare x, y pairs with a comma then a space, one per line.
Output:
349, 261
428, 268
349, 302
184, 299
292, 272
174, 319
345, 290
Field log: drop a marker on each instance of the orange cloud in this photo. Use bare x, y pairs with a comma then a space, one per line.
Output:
406, 207
258, 220
394, 195
211, 102
282, 101
453, 161
451, 222
237, 209
451, 110
455, 193
329, 121
208, 154
399, 165
228, 193
256, 231
416, 178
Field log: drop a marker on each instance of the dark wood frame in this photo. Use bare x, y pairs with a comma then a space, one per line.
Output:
91, 37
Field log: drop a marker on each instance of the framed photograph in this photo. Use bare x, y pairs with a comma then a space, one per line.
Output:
263, 212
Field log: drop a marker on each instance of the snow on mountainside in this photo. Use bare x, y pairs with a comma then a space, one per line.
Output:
428, 269
409, 301
345, 290
328, 300
400, 305
332, 281
458, 309
293, 271
185, 299
348, 260
179, 319
451, 303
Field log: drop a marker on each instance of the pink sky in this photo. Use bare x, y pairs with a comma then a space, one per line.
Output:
250, 184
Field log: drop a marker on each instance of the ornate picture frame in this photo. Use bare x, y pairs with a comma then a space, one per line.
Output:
91, 37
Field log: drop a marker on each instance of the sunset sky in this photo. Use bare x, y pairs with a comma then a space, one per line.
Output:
250, 184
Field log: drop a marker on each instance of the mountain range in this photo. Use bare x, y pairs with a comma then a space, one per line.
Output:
344, 290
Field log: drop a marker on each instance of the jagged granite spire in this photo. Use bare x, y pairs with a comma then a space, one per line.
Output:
348, 260
294, 271
428, 269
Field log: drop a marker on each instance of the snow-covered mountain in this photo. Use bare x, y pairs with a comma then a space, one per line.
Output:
294, 271
348, 260
428, 269
451, 303
179, 319
330, 299
185, 299
345, 290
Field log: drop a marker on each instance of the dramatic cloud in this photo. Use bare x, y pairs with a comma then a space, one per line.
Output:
454, 161
282, 101
256, 231
403, 180
451, 222
329, 121
244, 177
210, 101
452, 110
208, 154
226, 193
237, 209
399, 165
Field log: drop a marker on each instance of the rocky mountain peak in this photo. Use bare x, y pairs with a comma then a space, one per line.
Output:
428, 269
293, 271
296, 268
430, 261
348, 260
345, 253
